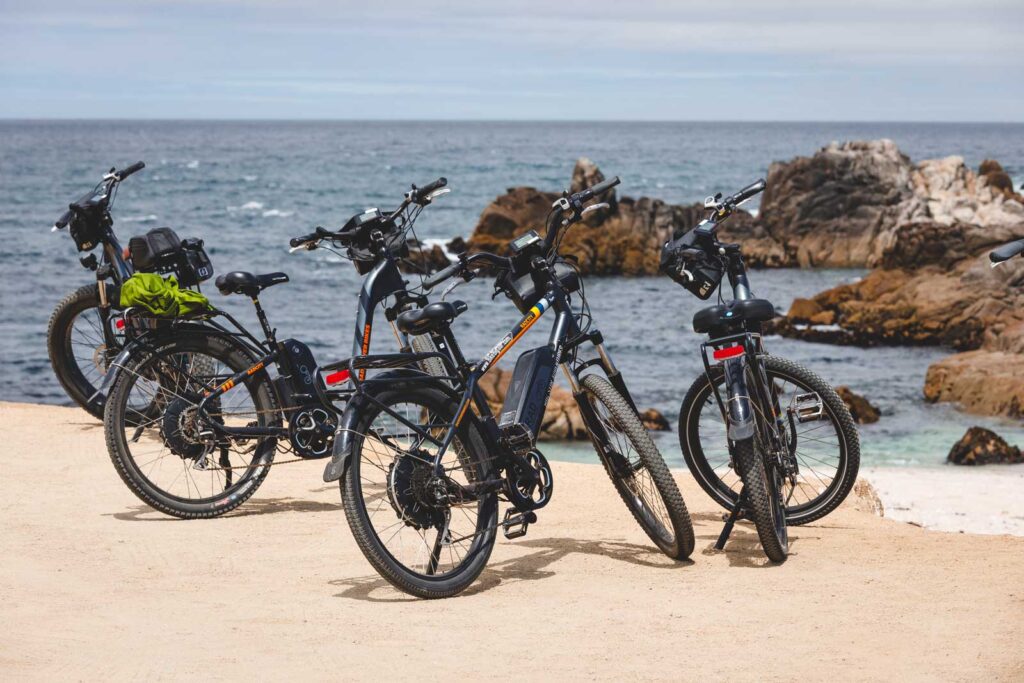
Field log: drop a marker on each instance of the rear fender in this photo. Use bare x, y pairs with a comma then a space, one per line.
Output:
738, 407
344, 435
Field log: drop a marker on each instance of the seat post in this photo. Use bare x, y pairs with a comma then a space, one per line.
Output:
262, 316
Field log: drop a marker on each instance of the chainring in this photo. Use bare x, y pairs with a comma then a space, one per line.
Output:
530, 489
311, 431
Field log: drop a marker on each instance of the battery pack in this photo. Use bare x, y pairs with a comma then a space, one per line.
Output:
526, 398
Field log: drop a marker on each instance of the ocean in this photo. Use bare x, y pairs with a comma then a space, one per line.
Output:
247, 187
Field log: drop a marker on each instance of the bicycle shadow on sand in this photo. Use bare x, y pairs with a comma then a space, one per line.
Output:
256, 506
743, 549
532, 566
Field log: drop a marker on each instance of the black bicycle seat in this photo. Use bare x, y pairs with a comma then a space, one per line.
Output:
240, 282
430, 317
747, 310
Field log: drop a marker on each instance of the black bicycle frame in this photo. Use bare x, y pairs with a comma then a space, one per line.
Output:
565, 336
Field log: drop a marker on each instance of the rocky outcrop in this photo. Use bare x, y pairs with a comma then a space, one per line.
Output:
980, 446
625, 239
861, 409
654, 420
931, 232
830, 209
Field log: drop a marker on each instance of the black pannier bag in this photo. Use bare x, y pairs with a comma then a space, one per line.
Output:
707, 272
161, 251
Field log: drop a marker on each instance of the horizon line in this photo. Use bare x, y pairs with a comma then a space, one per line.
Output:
60, 119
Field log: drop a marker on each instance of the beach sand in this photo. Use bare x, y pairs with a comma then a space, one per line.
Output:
93, 584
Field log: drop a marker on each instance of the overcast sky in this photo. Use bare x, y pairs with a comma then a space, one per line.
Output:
935, 60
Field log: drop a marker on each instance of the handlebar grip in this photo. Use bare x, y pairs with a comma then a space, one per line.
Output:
440, 276
1006, 252
604, 186
63, 221
422, 192
125, 172
305, 239
747, 192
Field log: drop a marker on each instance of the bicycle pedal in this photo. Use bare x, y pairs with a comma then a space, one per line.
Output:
518, 438
515, 524
808, 407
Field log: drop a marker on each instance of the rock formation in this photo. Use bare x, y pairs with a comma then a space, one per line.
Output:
980, 446
861, 409
930, 233
625, 239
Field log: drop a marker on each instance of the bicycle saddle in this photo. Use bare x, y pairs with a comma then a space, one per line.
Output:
747, 310
240, 282
430, 317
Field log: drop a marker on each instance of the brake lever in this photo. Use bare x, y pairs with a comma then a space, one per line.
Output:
309, 246
437, 193
595, 207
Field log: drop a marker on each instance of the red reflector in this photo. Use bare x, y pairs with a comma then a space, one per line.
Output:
120, 323
335, 377
728, 352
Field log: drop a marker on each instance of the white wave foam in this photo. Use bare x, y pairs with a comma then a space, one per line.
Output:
248, 206
149, 218
192, 164
249, 178
276, 213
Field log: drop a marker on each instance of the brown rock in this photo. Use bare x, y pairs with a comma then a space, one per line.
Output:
654, 420
980, 446
802, 310
424, 259
625, 239
829, 209
982, 381
861, 409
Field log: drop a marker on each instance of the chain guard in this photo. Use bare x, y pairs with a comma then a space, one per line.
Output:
529, 482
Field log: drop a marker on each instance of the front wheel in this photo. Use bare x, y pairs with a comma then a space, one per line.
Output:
78, 348
637, 469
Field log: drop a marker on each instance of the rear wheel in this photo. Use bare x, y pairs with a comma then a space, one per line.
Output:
827, 448
422, 532
638, 471
168, 454
78, 348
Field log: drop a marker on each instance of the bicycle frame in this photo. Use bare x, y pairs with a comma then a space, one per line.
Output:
565, 336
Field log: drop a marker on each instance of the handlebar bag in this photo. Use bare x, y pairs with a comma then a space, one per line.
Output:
88, 222
526, 290
707, 272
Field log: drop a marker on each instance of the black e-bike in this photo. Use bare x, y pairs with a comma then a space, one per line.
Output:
422, 461
194, 419
766, 438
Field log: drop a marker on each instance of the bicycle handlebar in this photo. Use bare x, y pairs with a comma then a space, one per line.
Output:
418, 194
319, 234
746, 193
125, 172
479, 259
599, 189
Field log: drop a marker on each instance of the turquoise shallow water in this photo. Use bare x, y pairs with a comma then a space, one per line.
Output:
247, 187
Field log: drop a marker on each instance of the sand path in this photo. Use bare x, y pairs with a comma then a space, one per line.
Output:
94, 584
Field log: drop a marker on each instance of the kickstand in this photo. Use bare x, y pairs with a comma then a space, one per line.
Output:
730, 521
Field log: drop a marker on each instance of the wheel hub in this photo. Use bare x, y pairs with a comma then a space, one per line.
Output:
180, 430
415, 493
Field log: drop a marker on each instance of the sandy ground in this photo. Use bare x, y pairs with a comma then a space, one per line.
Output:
976, 500
95, 585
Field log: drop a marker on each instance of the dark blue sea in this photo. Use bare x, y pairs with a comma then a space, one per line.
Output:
247, 187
